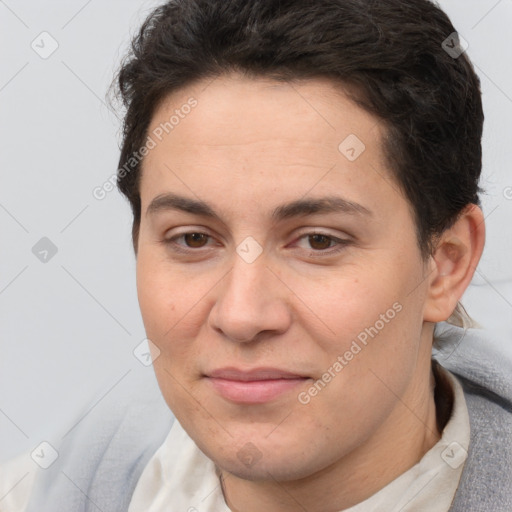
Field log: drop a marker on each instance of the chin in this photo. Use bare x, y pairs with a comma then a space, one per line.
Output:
250, 463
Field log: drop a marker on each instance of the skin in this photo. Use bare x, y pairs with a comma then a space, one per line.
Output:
249, 146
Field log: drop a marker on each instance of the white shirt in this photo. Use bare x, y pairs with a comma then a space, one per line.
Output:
192, 484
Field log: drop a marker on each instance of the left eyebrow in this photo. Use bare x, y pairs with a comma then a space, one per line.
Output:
329, 204
298, 208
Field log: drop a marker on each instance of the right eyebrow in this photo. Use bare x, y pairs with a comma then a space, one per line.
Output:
172, 201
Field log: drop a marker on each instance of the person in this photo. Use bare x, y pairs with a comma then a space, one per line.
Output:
303, 178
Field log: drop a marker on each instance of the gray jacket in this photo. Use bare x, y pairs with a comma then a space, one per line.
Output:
102, 457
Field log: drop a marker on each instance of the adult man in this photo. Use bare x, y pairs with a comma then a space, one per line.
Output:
304, 183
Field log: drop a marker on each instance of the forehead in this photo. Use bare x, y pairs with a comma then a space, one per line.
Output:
252, 109
249, 139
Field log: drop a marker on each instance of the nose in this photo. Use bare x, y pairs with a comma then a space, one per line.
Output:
251, 302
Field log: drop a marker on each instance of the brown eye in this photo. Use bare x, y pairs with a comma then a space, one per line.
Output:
320, 242
195, 239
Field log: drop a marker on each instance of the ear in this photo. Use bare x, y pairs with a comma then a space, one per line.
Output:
453, 263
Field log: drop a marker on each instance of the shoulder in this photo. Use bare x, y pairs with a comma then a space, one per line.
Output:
103, 452
16, 481
482, 369
486, 378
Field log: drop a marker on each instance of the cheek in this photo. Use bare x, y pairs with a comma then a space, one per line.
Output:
164, 294
374, 328
156, 298
378, 325
160, 307
355, 302
168, 315
174, 306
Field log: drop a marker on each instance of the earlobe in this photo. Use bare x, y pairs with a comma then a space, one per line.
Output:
453, 263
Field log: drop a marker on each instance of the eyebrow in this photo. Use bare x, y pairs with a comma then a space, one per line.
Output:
298, 208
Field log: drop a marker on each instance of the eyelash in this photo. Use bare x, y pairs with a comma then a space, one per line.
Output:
341, 243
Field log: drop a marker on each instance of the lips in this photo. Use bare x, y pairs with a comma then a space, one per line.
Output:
254, 386
253, 374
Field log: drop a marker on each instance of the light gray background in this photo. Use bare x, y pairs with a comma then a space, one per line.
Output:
68, 327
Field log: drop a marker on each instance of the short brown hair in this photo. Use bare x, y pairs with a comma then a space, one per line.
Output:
390, 50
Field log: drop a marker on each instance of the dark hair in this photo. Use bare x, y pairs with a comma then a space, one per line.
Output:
395, 55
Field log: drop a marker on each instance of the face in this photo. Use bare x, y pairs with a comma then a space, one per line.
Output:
279, 275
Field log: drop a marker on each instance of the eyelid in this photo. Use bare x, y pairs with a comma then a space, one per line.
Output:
321, 231
182, 248
340, 243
